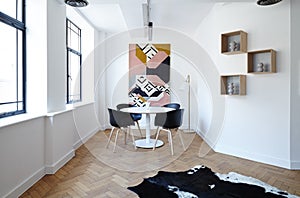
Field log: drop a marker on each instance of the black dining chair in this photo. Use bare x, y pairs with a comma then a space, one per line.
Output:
135, 116
121, 121
167, 122
172, 105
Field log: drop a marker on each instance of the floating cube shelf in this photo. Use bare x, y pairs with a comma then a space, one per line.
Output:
227, 40
262, 61
239, 84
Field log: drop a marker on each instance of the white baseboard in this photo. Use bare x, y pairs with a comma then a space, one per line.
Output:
295, 165
253, 156
26, 184
48, 169
84, 139
51, 169
207, 141
77, 144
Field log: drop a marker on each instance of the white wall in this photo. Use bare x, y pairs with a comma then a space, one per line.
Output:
256, 126
85, 120
295, 84
22, 156
100, 80
59, 140
56, 56
40, 142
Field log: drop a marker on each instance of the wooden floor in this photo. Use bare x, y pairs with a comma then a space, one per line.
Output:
98, 172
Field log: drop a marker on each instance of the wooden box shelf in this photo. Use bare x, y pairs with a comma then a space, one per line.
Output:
227, 40
261, 61
239, 84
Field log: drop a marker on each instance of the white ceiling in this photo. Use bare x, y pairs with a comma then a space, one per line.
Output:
121, 15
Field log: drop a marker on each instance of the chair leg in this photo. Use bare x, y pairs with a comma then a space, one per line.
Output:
156, 138
180, 136
171, 141
133, 140
138, 125
156, 131
116, 139
125, 136
109, 138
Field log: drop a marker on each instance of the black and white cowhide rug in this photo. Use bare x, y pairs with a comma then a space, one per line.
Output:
200, 181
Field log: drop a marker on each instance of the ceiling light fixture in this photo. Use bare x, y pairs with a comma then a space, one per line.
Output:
77, 3
267, 2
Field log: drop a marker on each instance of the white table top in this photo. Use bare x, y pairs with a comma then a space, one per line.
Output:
147, 110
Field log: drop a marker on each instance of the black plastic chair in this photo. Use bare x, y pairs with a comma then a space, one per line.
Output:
135, 116
120, 120
167, 122
172, 105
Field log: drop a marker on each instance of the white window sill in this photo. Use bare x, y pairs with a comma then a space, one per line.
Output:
30, 116
18, 118
78, 104
51, 114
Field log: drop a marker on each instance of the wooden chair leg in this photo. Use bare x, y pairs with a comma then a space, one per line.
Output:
180, 136
156, 131
125, 134
171, 141
109, 138
133, 140
116, 139
156, 138
138, 125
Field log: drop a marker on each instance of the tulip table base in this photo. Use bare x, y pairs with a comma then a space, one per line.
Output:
144, 143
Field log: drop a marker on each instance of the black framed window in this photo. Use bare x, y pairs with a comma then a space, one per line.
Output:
12, 58
74, 60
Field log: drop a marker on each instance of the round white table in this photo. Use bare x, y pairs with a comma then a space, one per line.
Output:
147, 142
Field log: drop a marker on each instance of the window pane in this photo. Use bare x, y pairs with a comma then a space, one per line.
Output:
7, 108
19, 9
74, 62
73, 36
8, 65
20, 105
20, 68
74, 77
8, 7
74, 41
11, 59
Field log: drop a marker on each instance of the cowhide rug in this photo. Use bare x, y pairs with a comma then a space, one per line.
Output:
200, 181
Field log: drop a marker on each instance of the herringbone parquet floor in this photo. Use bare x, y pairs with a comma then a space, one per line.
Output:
98, 172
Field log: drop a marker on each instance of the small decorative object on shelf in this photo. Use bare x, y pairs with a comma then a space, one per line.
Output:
260, 67
262, 61
233, 84
230, 89
233, 46
234, 42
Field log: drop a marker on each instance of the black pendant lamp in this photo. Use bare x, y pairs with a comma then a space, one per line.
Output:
267, 2
77, 3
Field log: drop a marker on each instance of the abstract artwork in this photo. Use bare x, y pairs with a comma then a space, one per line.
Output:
149, 74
